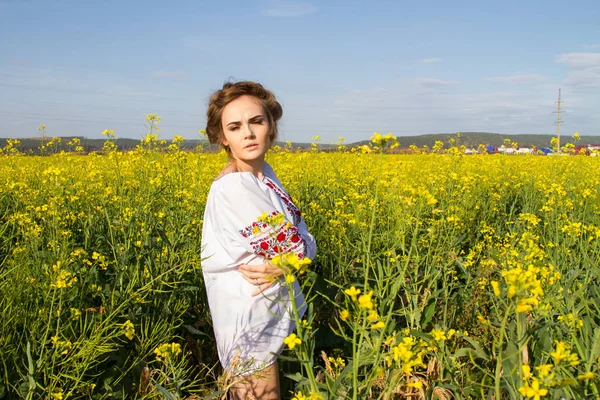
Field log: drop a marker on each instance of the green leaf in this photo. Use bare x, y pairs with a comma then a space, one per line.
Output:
214, 395
428, 313
167, 395
475, 351
297, 377
195, 331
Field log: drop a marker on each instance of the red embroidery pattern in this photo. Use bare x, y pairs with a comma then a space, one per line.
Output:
250, 230
289, 204
285, 240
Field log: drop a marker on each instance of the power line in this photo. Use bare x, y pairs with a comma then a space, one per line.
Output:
558, 118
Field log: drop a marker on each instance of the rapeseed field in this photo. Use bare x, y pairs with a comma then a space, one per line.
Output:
437, 275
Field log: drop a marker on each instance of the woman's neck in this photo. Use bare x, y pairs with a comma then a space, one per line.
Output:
256, 167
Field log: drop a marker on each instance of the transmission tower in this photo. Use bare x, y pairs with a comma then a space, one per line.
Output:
559, 119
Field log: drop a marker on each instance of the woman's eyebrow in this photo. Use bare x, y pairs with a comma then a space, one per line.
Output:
251, 119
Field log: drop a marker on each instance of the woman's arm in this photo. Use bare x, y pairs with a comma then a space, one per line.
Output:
250, 221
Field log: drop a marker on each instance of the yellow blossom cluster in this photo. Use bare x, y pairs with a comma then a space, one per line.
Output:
563, 354
537, 381
571, 321
384, 140
526, 274
128, 329
309, 396
292, 341
61, 278
167, 351
439, 335
62, 346
273, 220
407, 353
298, 265
365, 303
334, 365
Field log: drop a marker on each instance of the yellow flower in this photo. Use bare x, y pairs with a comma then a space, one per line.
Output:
438, 335
527, 304
311, 396
167, 350
292, 340
377, 138
482, 320
289, 278
344, 314
352, 292
586, 376
495, 288
562, 352
364, 301
373, 316
128, 329
75, 313
378, 325
526, 371
535, 392
544, 370
299, 396
415, 384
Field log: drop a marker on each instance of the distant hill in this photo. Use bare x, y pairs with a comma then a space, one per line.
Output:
469, 139
473, 139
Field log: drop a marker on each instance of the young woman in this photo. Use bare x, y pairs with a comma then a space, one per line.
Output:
249, 305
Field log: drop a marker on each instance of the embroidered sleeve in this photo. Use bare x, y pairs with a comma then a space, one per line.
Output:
272, 239
249, 219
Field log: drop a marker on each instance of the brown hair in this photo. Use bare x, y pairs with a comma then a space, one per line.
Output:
230, 92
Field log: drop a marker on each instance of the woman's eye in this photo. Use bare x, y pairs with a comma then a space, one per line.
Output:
259, 122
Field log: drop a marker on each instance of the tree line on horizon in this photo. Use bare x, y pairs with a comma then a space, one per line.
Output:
468, 139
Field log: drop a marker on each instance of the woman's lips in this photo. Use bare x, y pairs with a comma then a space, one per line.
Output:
251, 146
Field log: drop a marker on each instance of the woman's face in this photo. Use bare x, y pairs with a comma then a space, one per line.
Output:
246, 129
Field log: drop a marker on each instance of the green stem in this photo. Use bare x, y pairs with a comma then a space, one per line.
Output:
304, 354
499, 355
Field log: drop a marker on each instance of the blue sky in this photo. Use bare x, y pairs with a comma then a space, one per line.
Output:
340, 68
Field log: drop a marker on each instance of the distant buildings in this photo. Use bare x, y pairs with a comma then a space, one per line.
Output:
519, 150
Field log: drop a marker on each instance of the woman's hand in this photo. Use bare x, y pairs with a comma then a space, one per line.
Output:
260, 275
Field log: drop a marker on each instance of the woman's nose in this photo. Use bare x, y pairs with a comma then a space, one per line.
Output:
248, 132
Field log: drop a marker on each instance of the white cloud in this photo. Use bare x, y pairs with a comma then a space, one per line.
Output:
579, 60
287, 8
585, 69
584, 78
169, 74
518, 79
432, 82
591, 46
407, 109
431, 60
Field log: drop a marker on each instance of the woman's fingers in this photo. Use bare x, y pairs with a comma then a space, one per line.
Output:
263, 270
253, 275
260, 268
258, 280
